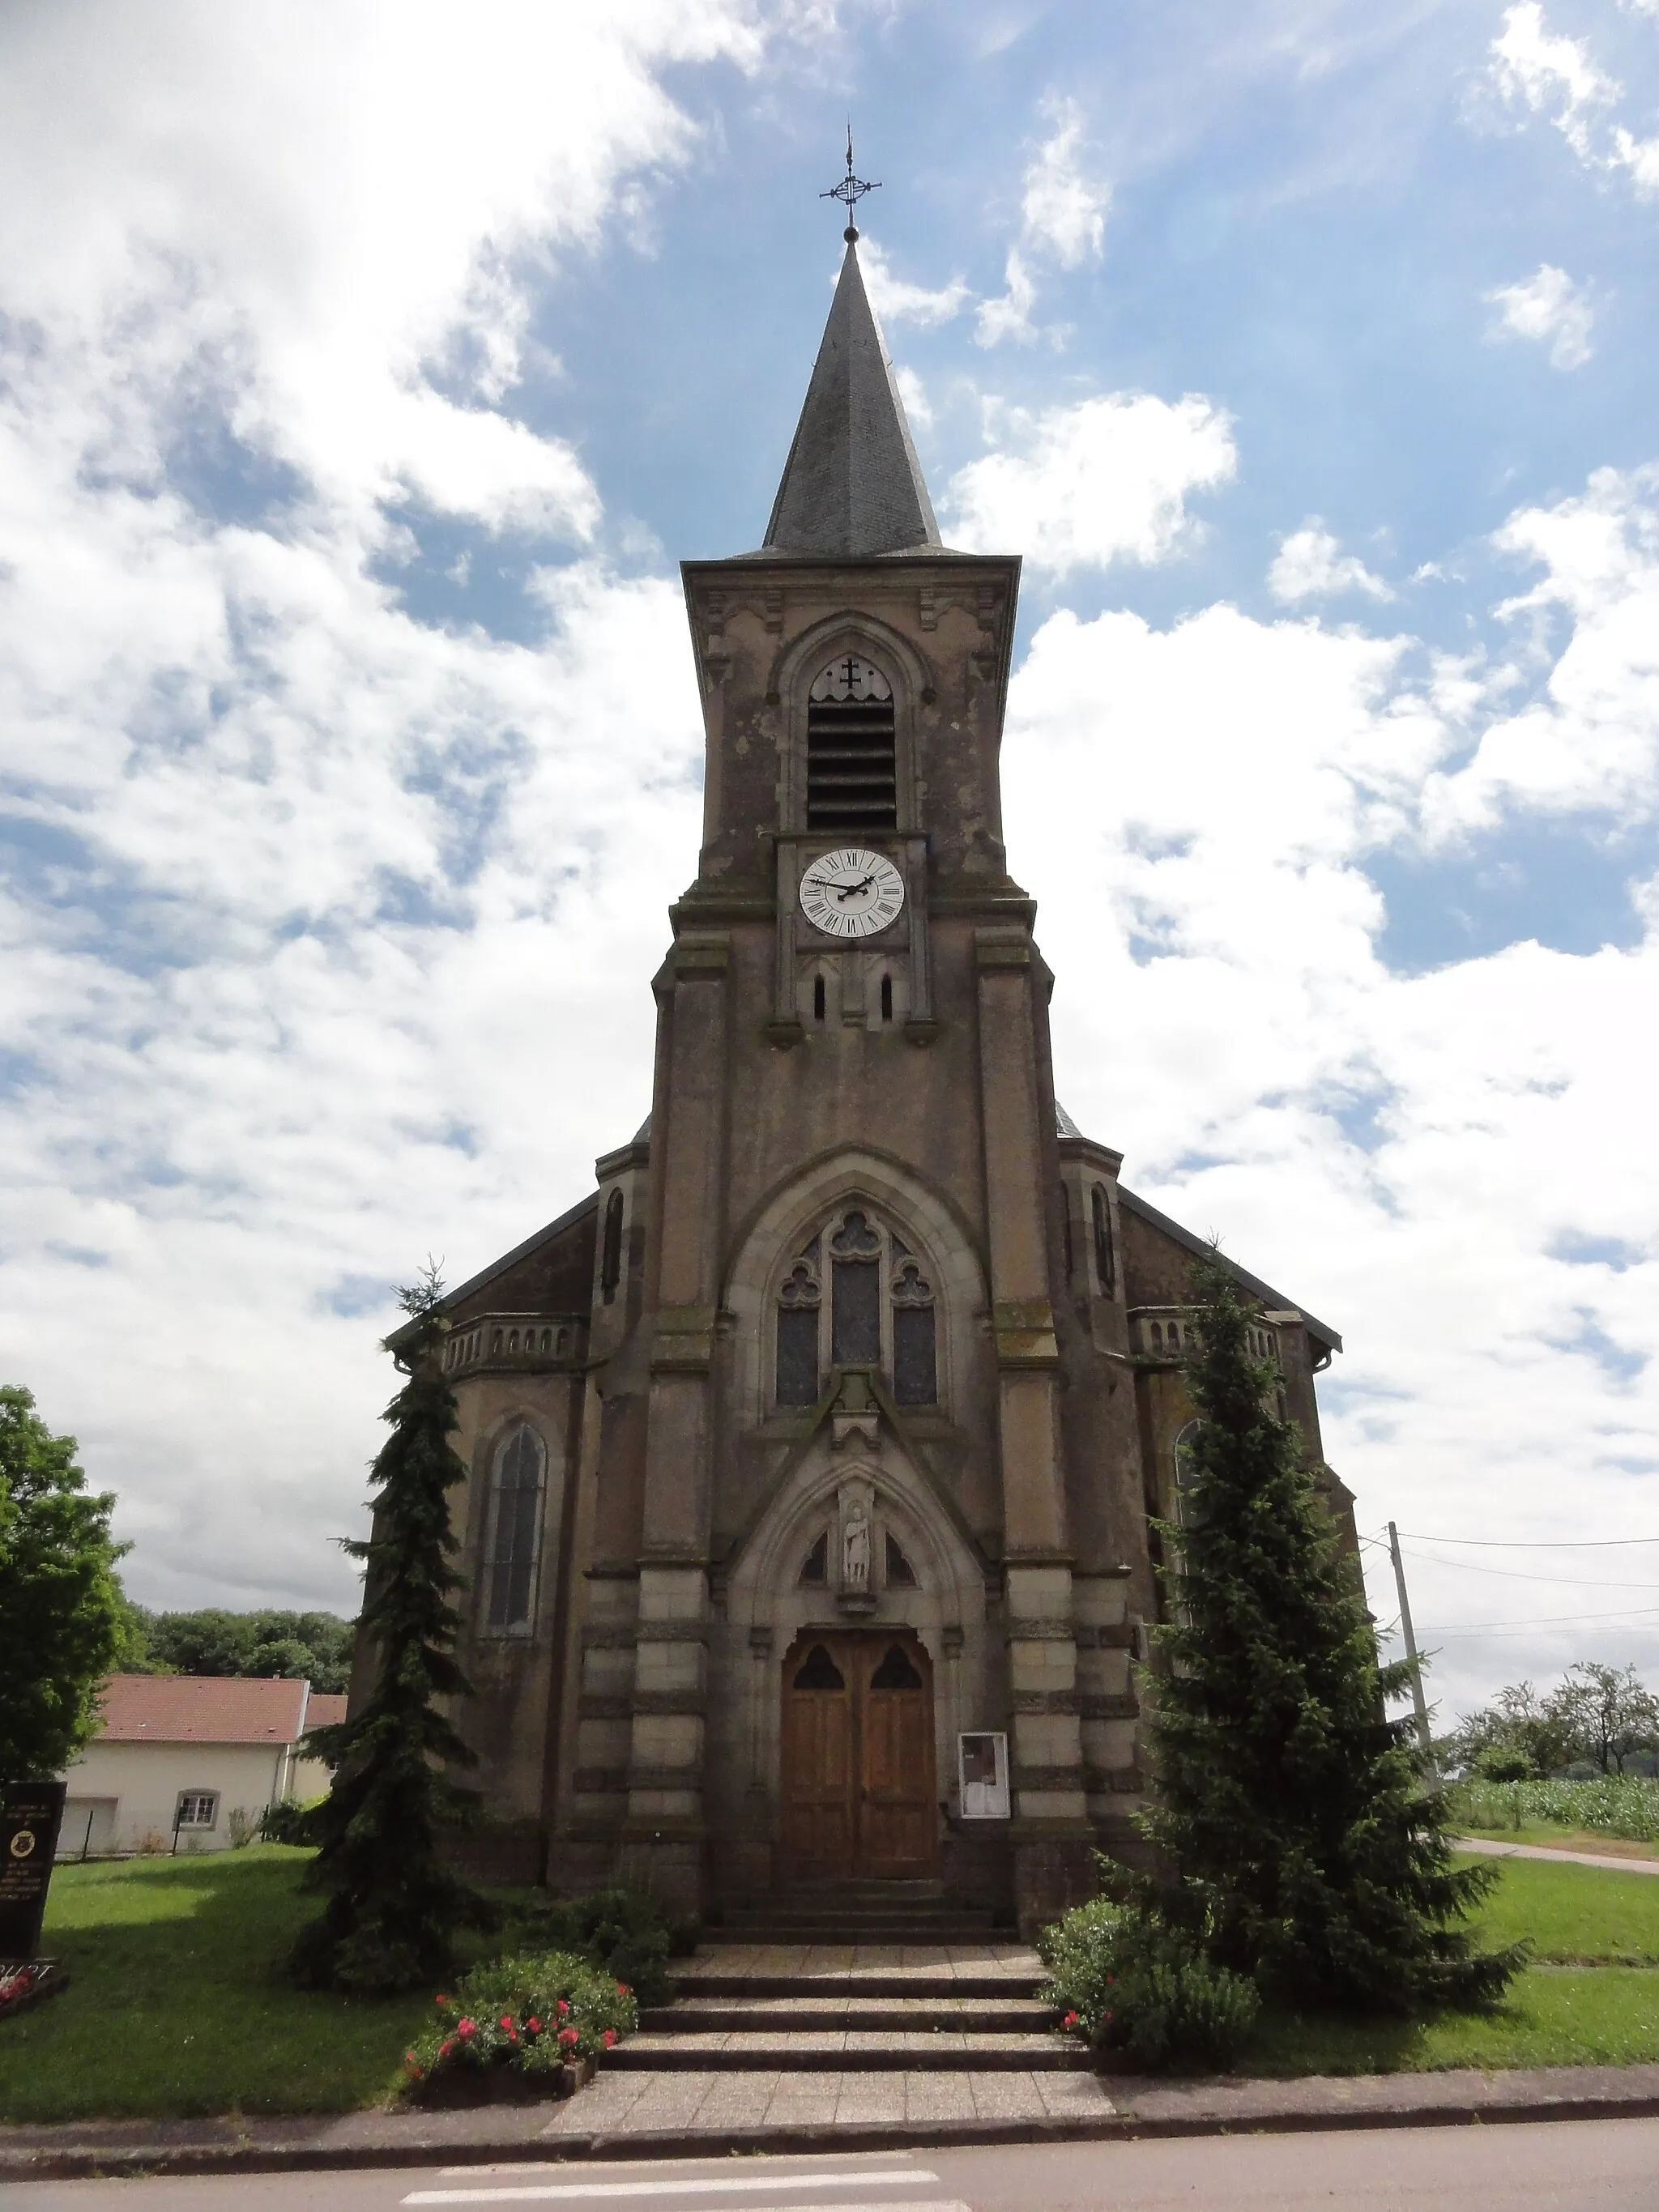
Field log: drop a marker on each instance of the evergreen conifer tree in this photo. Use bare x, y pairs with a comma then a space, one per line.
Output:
392, 1909
1302, 1841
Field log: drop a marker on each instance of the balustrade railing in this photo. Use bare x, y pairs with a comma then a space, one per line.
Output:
516, 1341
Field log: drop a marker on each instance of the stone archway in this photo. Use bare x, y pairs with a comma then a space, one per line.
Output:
857, 1779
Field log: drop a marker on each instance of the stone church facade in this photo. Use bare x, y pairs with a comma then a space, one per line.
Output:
812, 1453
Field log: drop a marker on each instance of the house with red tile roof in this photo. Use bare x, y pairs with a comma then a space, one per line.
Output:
177, 1755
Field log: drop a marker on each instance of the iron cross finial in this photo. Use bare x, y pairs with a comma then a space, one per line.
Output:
850, 191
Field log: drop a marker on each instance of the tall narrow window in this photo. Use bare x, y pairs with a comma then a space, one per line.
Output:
915, 1371
798, 1331
818, 999
611, 1254
852, 776
855, 1252
887, 998
1105, 1260
516, 1531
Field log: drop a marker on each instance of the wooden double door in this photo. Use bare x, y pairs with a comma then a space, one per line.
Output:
857, 1758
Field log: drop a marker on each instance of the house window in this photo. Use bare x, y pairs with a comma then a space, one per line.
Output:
515, 1532
852, 776
610, 1250
1105, 1259
198, 1809
875, 1310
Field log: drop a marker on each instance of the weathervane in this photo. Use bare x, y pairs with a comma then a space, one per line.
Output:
851, 189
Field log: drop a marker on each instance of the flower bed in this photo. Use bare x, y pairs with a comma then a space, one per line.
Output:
526, 2027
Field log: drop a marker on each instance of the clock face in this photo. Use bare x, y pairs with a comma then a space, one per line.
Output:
851, 892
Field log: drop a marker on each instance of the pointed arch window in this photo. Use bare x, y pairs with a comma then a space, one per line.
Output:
515, 1528
876, 1309
852, 759
610, 1249
1105, 1258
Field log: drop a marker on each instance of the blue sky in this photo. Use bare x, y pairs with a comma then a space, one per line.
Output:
364, 371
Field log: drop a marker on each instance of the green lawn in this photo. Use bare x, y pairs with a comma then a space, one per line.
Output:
177, 2005
1591, 1997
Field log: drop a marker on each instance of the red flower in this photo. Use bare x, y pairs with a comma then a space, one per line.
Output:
561, 2007
610, 2038
506, 2021
622, 1990
440, 1999
466, 2028
568, 2036
1070, 2021
533, 2025
446, 2047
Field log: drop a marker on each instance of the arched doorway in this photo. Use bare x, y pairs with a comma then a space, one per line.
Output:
857, 1758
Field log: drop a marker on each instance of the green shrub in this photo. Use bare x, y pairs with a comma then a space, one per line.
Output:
1128, 1983
628, 1935
535, 2014
285, 1820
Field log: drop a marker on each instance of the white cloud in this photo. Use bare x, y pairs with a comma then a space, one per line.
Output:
914, 392
1062, 219
1553, 75
1310, 564
1063, 210
1426, 1160
1010, 317
312, 897
1547, 307
896, 301
1104, 480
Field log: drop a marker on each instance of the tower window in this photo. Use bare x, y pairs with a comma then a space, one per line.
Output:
798, 1331
818, 999
852, 773
1105, 1260
515, 1534
887, 998
611, 1253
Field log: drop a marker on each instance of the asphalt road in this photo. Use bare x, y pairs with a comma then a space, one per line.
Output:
1611, 2165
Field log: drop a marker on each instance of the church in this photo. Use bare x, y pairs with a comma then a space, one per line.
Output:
812, 1453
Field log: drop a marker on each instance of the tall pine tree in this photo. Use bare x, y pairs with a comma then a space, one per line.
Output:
393, 1909
1300, 1837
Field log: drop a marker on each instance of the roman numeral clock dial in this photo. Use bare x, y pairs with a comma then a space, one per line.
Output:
851, 892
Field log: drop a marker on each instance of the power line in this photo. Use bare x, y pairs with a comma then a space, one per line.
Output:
1520, 1574
1543, 1620
1529, 1544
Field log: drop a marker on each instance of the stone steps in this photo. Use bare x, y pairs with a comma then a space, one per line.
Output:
851, 2051
839, 2009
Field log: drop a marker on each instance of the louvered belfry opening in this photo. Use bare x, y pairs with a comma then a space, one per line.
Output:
852, 776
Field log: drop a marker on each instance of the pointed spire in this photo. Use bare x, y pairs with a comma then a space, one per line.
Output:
851, 486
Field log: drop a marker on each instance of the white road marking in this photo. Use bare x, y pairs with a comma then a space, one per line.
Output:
706, 2185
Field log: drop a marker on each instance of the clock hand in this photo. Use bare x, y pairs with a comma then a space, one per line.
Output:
847, 889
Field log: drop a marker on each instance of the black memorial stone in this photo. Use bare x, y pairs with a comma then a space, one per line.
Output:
30, 1814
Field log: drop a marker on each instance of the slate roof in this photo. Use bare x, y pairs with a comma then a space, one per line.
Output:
851, 486
206, 1708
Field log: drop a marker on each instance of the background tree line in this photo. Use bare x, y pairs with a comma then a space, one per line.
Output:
313, 1647
1600, 1718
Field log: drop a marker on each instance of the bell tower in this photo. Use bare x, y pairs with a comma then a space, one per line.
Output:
853, 1015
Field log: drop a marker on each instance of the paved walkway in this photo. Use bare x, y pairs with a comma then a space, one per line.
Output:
856, 1963
1489, 1847
620, 2104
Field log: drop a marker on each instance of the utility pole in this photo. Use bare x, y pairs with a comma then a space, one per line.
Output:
1418, 1698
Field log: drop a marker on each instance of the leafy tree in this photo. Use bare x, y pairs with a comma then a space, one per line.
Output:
392, 1909
60, 1602
1519, 1737
1605, 1713
313, 1646
1297, 1832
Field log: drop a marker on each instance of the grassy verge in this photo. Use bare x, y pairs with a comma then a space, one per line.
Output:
177, 2005
1591, 1997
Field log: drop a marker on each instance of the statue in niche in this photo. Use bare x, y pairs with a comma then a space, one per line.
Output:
855, 1550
